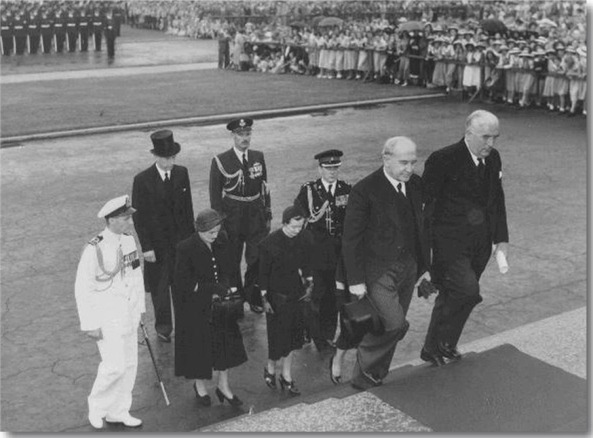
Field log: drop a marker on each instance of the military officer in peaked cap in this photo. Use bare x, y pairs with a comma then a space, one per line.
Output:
109, 293
325, 201
238, 188
162, 197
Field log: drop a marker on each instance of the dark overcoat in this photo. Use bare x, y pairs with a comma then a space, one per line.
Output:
200, 343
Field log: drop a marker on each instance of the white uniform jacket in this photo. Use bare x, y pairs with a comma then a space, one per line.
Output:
109, 286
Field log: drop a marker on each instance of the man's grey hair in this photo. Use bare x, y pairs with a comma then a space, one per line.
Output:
479, 117
393, 142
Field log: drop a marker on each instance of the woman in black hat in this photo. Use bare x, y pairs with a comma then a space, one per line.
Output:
208, 336
285, 281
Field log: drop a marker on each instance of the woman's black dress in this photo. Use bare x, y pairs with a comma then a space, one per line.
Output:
280, 259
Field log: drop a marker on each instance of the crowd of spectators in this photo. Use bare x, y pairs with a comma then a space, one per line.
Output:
518, 52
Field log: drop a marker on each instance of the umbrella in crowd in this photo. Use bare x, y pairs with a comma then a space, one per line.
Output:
546, 22
493, 26
315, 21
330, 21
409, 26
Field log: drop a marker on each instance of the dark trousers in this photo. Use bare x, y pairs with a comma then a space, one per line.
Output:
84, 41
7, 45
72, 40
459, 290
391, 294
246, 227
47, 42
98, 39
21, 44
323, 313
60, 38
250, 285
158, 279
34, 41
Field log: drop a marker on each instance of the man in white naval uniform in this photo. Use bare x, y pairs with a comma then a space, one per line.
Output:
109, 294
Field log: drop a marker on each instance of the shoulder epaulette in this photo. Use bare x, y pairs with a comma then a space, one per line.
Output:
95, 240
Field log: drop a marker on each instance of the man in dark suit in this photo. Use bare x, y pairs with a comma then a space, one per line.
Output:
467, 215
238, 188
164, 216
385, 253
324, 200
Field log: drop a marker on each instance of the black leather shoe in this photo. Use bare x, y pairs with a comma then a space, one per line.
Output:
449, 352
436, 359
322, 345
235, 401
204, 400
290, 386
269, 378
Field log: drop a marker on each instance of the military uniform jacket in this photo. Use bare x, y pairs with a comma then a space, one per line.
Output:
456, 208
109, 286
230, 182
325, 220
162, 221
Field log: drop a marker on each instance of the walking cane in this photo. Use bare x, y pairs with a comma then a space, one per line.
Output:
158, 376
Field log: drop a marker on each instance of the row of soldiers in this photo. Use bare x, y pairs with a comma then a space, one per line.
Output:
69, 30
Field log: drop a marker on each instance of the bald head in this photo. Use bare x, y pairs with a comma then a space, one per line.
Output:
481, 132
399, 158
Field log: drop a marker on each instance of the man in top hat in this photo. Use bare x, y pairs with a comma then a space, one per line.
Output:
109, 294
238, 188
324, 200
161, 195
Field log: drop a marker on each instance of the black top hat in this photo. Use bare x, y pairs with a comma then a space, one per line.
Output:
239, 124
330, 158
163, 144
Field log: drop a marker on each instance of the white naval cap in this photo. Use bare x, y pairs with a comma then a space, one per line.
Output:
119, 206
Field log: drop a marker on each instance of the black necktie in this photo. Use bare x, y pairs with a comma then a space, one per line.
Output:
329, 192
481, 168
400, 189
244, 160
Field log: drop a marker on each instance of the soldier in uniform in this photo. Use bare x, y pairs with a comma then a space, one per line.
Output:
97, 29
46, 31
34, 33
109, 294
60, 32
20, 27
7, 35
110, 34
238, 188
325, 202
83, 29
72, 30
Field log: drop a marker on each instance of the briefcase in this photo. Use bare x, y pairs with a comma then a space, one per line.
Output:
360, 317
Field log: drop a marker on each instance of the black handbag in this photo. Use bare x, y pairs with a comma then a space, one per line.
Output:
360, 317
229, 306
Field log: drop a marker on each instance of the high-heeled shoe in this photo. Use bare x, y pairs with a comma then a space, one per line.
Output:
335, 379
290, 386
235, 401
204, 400
269, 378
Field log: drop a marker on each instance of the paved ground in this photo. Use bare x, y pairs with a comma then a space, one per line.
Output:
51, 191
